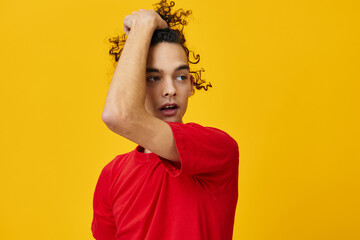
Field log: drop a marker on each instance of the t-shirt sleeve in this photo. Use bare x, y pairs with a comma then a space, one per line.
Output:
206, 152
103, 225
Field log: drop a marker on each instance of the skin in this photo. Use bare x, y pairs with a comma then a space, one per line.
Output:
132, 104
169, 85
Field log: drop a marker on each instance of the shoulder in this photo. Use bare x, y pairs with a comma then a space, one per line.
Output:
196, 126
197, 130
225, 136
115, 165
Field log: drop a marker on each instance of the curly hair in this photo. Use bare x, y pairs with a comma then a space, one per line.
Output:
172, 34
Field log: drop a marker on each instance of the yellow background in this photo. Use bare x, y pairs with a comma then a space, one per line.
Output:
286, 87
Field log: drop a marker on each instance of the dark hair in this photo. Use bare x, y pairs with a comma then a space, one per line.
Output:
172, 34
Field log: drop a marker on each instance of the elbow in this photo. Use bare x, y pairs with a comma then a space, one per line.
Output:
115, 122
124, 122
108, 117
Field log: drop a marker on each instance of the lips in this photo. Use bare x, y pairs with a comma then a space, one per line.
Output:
169, 109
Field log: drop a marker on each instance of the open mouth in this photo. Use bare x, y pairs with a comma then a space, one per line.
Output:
169, 109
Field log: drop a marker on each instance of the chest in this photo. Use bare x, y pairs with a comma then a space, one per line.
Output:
139, 188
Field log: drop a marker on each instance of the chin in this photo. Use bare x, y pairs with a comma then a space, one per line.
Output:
171, 119
174, 118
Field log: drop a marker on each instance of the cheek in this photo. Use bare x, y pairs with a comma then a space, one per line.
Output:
186, 90
184, 96
149, 100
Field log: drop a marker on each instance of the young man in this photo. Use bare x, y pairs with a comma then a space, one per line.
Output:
181, 181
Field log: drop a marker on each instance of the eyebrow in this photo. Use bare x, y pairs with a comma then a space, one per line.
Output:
181, 67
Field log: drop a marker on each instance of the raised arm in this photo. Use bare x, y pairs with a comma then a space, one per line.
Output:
124, 112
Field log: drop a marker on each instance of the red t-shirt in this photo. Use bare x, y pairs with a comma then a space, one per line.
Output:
143, 196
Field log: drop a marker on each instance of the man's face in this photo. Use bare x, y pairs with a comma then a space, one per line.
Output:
168, 83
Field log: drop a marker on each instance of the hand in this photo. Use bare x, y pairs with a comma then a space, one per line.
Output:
146, 18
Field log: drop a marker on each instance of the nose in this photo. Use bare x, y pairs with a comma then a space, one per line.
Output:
169, 89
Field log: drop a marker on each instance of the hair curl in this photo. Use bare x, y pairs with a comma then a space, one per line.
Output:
173, 34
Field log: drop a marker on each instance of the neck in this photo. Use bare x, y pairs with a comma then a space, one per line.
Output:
146, 151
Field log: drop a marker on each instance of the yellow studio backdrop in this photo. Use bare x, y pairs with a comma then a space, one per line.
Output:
286, 87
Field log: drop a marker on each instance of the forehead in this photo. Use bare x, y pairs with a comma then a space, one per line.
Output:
166, 55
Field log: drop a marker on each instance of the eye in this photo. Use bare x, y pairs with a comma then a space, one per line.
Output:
152, 78
182, 77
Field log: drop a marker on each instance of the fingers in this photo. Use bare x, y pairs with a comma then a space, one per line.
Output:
148, 18
127, 24
162, 24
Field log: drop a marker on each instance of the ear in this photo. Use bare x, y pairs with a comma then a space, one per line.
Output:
192, 84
